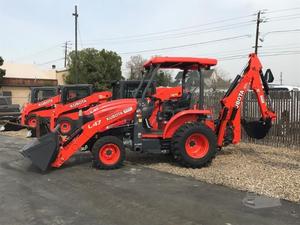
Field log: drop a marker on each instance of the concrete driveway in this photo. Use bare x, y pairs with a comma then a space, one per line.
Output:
79, 194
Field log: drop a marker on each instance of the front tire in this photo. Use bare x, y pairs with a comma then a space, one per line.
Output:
66, 125
108, 153
194, 145
31, 121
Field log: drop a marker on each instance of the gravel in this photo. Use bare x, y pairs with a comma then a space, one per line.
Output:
274, 172
271, 171
21, 133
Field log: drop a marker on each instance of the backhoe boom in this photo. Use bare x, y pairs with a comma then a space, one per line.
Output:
230, 115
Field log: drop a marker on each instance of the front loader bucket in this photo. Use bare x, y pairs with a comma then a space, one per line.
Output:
257, 129
42, 151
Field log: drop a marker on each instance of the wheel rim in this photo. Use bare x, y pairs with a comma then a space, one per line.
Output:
32, 122
65, 127
196, 146
109, 154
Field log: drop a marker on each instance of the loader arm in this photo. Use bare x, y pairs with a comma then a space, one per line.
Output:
230, 115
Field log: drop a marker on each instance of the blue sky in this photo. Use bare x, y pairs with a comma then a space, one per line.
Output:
33, 31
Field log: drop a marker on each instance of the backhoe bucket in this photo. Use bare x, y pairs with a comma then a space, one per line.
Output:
257, 129
42, 151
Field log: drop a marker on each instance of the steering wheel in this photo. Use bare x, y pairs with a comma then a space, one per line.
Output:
153, 98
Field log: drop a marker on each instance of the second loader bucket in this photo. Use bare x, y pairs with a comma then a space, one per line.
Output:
257, 129
42, 151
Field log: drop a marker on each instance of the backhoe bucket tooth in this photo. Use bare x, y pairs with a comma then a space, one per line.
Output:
257, 129
42, 151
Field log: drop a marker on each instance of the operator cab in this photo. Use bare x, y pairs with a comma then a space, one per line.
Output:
38, 94
158, 109
127, 88
71, 93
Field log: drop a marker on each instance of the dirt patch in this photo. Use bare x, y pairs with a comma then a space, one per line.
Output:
274, 172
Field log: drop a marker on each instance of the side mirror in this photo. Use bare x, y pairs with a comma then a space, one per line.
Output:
269, 76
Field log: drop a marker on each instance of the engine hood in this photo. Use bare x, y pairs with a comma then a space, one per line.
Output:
112, 106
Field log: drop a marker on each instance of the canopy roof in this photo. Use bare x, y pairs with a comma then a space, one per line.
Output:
181, 62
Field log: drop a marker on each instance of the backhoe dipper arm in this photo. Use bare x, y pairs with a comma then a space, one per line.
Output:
230, 115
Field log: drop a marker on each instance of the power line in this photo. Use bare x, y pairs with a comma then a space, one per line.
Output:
187, 45
241, 56
51, 61
283, 19
283, 10
276, 32
38, 52
191, 27
181, 35
172, 30
80, 39
285, 16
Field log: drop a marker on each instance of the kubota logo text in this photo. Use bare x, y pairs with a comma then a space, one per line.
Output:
75, 104
45, 102
93, 110
113, 116
239, 99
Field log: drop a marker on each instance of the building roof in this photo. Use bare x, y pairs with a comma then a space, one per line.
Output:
27, 71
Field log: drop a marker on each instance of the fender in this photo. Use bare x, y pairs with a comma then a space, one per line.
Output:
181, 118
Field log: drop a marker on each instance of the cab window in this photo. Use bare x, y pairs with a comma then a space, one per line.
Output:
76, 94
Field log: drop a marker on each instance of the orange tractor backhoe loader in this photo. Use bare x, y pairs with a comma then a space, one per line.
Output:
154, 124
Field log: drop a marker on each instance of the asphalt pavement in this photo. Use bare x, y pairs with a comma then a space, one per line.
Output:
79, 194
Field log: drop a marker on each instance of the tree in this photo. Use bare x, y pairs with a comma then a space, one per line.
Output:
94, 67
163, 78
221, 81
213, 79
2, 72
135, 66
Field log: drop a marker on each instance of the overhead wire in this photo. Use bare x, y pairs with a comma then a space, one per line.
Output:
182, 35
171, 30
283, 10
38, 52
187, 45
50, 61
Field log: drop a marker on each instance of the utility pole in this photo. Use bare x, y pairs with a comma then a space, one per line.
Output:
280, 78
258, 21
66, 48
75, 14
66, 52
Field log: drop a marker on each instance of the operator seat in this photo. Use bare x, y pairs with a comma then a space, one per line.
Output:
184, 102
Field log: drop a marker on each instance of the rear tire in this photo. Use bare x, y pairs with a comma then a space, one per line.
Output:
194, 145
67, 125
108, 153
